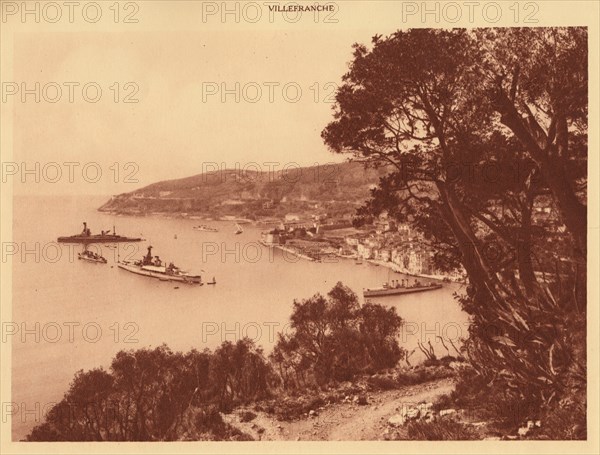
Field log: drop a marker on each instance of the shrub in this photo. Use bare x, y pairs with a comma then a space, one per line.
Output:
491, 401
247, 416
148, 394
334, 339
209, 421
292, 408
441, 430
382, 383
421, 374
564, 421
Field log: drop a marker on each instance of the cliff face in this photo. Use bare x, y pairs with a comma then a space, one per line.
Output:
235, 191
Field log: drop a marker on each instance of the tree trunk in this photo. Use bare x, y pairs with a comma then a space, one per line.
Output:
573, 212
472, 259
523, 247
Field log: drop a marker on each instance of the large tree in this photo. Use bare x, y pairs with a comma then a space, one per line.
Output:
541, 93
459, 117
334, 338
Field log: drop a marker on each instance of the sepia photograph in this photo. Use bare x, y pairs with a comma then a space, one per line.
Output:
303, 227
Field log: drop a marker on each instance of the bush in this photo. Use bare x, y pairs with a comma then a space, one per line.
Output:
173, 384
209, 421
382, 383
415, 375
334, 339
247, 416
421, 374
292, 408
506, 409
564, 421
441, 430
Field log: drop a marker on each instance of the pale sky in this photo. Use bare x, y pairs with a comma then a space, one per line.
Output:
174, 54
179, 123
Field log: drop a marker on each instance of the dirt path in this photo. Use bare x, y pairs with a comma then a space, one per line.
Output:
345, 421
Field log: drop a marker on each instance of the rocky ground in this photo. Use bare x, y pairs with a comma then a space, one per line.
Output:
371, 416
372, 409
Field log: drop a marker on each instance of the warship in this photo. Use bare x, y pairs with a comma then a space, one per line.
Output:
90, 256
396, 288
86, 236
154, 267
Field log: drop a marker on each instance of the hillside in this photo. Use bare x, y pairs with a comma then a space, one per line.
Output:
335, 189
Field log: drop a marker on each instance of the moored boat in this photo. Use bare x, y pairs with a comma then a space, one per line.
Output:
89, 256
205, 228
155, 268
105, 236
398, 289
238, 229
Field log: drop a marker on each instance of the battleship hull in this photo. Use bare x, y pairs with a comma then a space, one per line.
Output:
156, 272
382, 292
98, 239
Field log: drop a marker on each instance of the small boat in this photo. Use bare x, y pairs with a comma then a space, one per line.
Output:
89, 256
398, 289
358, 262
205, 228
212, 282
105, 236
238, 229
155, 268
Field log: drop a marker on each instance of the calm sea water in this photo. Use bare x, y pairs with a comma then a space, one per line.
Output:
71, 315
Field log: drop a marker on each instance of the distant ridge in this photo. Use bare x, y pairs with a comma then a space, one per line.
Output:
334, 187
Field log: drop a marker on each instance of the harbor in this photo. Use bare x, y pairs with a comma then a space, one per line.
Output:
104, 294
395, 249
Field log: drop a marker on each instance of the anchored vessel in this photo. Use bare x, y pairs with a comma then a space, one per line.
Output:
90, 256
238, 229
86, 236
396, 288
205, 228
155, 268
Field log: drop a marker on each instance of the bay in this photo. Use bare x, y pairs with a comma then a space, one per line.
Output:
69, 315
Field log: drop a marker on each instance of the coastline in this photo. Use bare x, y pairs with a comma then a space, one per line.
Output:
390, 265
288, 250
396, 268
